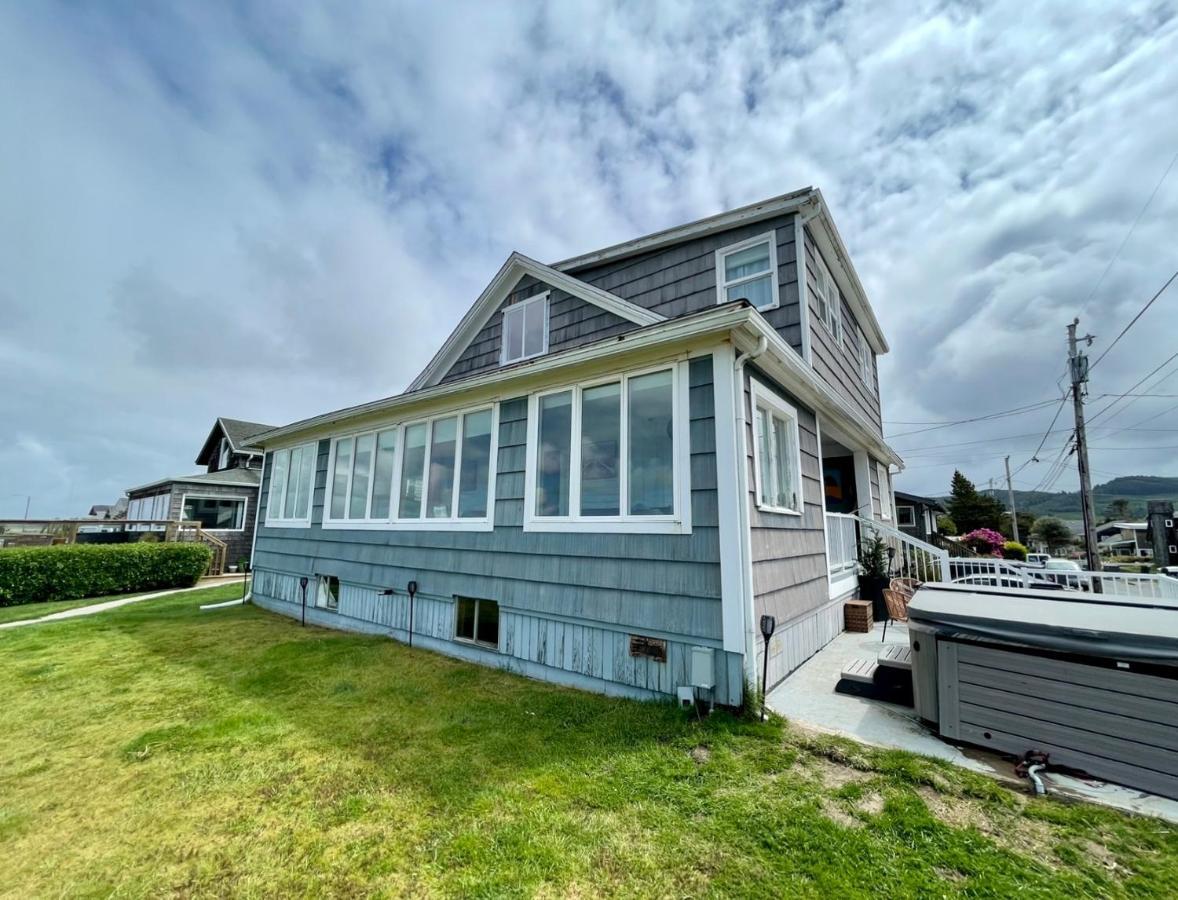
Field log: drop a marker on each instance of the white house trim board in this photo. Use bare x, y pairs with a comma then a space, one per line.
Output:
505, 280
730, 517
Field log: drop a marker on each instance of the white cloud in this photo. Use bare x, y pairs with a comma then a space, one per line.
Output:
271, 213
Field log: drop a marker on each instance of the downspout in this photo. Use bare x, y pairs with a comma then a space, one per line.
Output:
742, 489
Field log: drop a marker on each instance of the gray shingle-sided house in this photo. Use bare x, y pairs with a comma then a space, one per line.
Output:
223, 498
610, 470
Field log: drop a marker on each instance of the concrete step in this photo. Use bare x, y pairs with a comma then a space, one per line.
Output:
896, 656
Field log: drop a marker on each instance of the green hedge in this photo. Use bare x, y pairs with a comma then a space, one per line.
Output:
72, 571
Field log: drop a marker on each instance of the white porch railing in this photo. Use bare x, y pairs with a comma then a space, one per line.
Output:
1153, 590
909, 556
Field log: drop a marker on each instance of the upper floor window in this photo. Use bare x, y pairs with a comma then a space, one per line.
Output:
525, 329
428, 474
292, 475
609, 455
748, 271
223, 459
829, 302
777, 459
906, 516
885, 491
861, 350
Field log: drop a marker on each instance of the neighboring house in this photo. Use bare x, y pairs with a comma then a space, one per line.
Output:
610, 470
916, 515
100, 511
1124, 539
223, 498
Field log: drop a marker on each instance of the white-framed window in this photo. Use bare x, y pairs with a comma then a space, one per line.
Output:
292, 480
861, 350
610, 455
327, 593
748, 271
224, 455
830, 309
777, 455
885, 491
906, 516
477, 621
525, 329
431, 474
215, 513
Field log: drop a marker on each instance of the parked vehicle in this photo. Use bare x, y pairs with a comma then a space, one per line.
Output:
1058, 570
1038, 560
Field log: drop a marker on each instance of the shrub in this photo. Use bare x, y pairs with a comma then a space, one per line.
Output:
1014, 550
984, 541
946, 525
35, 574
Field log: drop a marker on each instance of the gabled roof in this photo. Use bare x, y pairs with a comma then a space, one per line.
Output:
238, 432
807, 202
917, 498
509, 274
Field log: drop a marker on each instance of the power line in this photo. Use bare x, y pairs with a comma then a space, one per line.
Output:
1120, 397
1129, 234
1133, 321
1006, 437
1018, 410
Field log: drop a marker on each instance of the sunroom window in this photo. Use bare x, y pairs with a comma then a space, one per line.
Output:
445, 472
748, 271
606, 452
777, 455
525, 329
215, 513
292, 473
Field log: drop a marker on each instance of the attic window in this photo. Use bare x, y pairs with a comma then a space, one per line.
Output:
223, 459
525, 329
748, 271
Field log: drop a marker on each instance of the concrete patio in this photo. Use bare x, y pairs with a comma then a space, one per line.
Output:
807, 698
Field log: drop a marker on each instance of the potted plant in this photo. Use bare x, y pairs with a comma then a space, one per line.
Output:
874, 562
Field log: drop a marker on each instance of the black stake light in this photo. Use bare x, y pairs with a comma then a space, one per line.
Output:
412, 588
768, 626
303, 586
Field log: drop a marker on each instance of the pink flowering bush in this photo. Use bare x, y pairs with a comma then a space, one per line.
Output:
985, 541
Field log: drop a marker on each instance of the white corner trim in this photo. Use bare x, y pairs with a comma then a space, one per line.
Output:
769, 237
803, 289
729, 512
516, 266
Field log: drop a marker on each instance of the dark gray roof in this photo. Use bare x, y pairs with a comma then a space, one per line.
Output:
229, 478
923, 501
239, 433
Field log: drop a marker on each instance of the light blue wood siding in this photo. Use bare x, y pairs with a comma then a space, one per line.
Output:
833, 361
571, 323
789, 552
608, 586
678, 280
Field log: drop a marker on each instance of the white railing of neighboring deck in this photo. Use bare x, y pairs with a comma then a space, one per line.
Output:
909, 557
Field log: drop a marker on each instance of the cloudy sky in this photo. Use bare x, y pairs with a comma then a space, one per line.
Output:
266, 211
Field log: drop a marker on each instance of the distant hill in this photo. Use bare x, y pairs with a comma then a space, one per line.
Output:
1137, 489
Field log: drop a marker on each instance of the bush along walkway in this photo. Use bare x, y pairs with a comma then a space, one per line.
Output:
107, 604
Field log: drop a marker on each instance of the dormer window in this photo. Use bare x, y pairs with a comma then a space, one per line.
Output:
223, 459
525, 329
748, 271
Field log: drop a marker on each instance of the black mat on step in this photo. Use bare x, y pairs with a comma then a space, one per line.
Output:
891, 685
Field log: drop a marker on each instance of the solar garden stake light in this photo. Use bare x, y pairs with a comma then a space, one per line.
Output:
768, 626
412, 588
303, 585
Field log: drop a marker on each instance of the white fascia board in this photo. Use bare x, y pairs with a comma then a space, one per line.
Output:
783, 362
665, 337
516, 266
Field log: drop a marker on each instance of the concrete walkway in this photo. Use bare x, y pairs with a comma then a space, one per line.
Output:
77, 611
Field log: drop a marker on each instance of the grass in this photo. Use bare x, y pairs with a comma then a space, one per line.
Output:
48, 607
155, 749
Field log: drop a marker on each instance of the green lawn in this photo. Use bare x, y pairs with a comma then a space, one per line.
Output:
36, 610
156, 749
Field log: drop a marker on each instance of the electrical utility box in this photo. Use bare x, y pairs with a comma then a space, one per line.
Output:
703, 667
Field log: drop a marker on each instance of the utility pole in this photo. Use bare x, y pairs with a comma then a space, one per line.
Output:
1078, 366
1010, 495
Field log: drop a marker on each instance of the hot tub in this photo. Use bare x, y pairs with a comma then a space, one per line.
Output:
1091, 680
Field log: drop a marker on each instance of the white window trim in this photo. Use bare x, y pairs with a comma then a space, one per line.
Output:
833, 321
521, 305
885, 491
184, 498
900, 519
299, 522
774, 275
393, 522
764, 398
624, 523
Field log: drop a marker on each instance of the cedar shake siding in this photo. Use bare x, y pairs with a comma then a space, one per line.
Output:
835, 362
